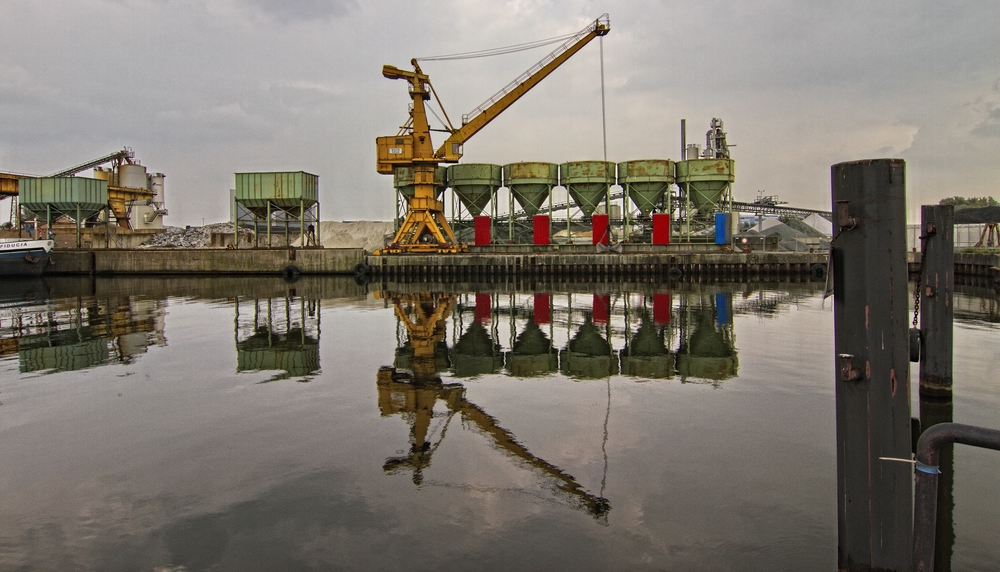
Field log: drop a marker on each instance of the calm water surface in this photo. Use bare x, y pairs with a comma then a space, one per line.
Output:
250, 424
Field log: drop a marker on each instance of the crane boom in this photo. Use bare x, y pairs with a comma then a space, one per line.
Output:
479, 117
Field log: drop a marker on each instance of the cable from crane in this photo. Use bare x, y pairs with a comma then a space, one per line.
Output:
498, 51
604, 120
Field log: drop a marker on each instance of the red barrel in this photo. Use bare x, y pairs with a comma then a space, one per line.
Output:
543, 307
484, 307
661, 307
661, 228
600, 228
483, 230
543, 229
602, 308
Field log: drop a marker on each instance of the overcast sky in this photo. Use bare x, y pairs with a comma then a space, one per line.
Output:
201, 89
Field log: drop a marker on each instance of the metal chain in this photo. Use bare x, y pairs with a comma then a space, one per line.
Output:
916, 290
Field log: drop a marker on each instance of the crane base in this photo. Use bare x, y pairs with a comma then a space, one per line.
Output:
423, 248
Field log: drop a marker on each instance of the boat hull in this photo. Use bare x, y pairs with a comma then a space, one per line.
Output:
24, 258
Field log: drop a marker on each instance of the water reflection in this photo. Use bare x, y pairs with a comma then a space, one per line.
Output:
662, 335
413, 394
73, 333
278, 334
507, 468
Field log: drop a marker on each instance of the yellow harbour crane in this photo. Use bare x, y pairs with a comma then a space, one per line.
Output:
425, 228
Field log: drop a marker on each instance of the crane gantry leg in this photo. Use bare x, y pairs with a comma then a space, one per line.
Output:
425, 228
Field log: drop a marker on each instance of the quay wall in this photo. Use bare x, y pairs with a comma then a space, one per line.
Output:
594, 266
477, 265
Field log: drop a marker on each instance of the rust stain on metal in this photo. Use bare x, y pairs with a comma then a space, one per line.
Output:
866, 316
868, 369
892, 381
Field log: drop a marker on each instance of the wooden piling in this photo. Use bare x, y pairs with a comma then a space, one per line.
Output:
872, 365
937, 292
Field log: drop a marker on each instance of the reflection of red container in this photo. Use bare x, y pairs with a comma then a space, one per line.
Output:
543, 308
483, 228
602, 308
661, 308
661, 228
483, 307
600, 228
543, 228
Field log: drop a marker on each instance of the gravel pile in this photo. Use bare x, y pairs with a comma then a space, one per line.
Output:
188, 237
366, 234
354, 234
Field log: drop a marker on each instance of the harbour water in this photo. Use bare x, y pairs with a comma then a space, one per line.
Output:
255, 424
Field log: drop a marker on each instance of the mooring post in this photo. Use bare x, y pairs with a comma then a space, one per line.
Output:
937, 224
936, 291
872, 367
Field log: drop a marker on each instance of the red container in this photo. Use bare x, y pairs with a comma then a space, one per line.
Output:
661, 228
543, 308
600, 228
661, 308
543, 229
484, 309
484, 229
602, 308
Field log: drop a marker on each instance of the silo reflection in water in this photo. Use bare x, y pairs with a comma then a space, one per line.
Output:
76, 333
278, 334
708, 347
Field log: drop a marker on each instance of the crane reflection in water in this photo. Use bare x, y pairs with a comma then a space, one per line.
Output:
413, 394
641, 336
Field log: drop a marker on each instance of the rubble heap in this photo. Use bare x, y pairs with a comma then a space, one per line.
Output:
187, 237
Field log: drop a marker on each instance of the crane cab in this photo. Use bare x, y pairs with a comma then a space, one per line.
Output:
393, 150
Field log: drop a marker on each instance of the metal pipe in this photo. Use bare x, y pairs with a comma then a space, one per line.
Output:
925, 497
683, 139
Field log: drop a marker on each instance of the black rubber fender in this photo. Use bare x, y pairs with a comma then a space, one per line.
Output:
290, 273
817, 272
361, 269
675, 273
915, 342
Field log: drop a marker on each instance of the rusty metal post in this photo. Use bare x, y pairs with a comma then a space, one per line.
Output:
872, 376
935, 411
937, 227
928, 471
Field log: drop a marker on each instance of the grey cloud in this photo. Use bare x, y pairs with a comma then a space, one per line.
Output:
286, 11
990, 127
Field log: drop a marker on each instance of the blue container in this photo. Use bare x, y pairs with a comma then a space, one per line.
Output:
723, 306
723, 228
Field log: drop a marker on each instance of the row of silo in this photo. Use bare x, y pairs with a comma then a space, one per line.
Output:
646, 182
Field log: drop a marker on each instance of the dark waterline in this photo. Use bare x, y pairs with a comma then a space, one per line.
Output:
243, 423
